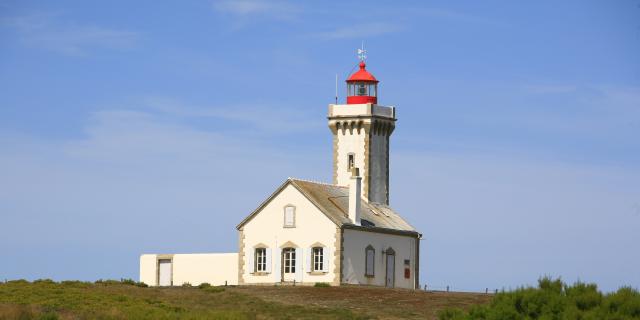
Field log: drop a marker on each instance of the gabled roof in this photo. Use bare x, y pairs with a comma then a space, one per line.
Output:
333, 201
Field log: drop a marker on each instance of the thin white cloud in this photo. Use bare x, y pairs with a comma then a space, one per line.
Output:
280, 10
272, 119
365, 30
49, 32
455, 16
550, 88
558, 111
604, 110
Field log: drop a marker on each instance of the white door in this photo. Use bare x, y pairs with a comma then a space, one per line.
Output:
391, 269
164, 272
288, 264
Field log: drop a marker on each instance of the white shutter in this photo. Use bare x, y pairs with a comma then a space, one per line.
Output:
268, 253
308, 265
298, 265
251, 267
289, 216
326, 258
277, 257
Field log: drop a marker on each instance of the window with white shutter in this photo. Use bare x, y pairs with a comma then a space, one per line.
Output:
261, 260
326, 254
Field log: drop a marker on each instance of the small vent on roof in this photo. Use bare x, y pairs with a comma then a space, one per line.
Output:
367, 223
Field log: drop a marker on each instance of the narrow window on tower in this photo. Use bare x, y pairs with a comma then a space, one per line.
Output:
351, 161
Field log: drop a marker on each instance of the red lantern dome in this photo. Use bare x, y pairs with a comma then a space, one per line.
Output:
362, 87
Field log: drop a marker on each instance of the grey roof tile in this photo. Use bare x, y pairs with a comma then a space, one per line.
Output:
333, 201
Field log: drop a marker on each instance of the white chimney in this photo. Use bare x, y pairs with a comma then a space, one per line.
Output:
355, 183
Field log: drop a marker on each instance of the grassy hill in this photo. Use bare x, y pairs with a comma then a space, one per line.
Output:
118, 300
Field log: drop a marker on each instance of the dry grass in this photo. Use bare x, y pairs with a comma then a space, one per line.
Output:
372, 302
77, 300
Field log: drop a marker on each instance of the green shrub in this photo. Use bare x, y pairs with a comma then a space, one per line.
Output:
322, 285
75, 283
624, 302
107, 282
553, 299
204, 285
19, 281
187, 285
214, 289
584, 296
450, 314
43, 281
128, 281
141, 285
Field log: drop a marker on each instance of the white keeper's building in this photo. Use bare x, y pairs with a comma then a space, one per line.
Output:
307, 232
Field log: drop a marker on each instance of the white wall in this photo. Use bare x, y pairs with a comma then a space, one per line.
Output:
213, 268
350, 141
267, 228
148, 271
353, 267
342, 110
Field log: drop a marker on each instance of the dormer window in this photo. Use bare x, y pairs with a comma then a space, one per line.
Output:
289, 217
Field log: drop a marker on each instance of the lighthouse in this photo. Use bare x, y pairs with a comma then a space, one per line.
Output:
361, 130
309, 232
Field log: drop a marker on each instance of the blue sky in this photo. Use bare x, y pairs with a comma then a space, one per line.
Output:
157, 126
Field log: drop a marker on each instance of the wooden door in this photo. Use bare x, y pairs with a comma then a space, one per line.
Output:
391, 269
164, 272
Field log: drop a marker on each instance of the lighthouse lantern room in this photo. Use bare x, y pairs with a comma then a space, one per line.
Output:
362, 87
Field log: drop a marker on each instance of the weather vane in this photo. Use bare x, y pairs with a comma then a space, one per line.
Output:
362, 53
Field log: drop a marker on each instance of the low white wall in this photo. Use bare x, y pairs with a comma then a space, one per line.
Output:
213, 268
148, 269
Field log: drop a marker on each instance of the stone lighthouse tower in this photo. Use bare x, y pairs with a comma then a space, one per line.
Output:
361, 130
